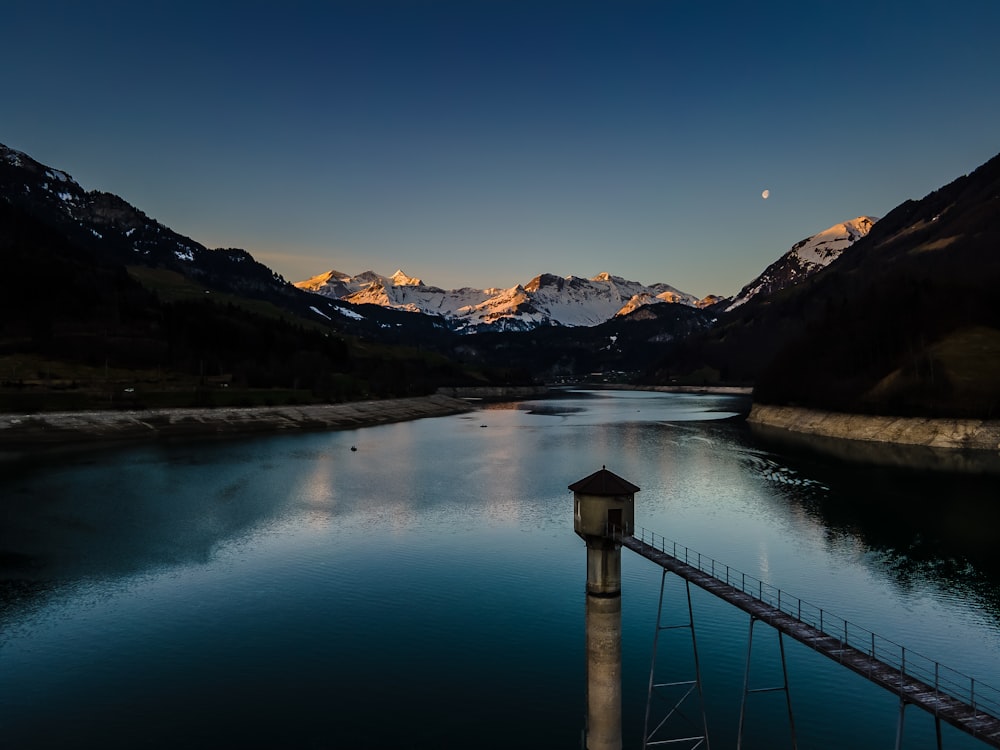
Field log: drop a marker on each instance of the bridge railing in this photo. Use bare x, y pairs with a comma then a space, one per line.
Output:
982, 698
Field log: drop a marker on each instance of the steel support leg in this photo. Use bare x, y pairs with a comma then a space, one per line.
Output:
783, 687
899, 727
788, 693
697, 665
746, 686
649, 733
646, 733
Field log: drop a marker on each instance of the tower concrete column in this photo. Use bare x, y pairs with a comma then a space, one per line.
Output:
604, 646
604, 513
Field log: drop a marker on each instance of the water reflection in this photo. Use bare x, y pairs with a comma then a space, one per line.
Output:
88, 518
302, 581
907, 505
916, 457
929, 534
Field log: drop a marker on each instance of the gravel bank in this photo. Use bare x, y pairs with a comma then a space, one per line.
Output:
975, 434
59, 428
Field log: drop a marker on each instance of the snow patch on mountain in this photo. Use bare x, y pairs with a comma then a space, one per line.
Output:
401, 279
545, 300
12, 157
805, 258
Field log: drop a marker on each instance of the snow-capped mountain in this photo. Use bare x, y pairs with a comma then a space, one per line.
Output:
805, 258
398, 291
572, 300
114, 229
545, 300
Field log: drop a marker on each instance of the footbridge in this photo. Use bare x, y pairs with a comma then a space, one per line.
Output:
948, 695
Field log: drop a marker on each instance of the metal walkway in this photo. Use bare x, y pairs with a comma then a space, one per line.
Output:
948, 695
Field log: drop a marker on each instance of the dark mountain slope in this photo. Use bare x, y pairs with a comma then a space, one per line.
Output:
107, 229
621, 346
77, 330
905, 322
114, 230
909, 322
155, 283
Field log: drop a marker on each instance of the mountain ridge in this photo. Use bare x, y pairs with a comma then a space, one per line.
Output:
547, 299
894, 315
805, 258
904, 322
97, 218
572, 301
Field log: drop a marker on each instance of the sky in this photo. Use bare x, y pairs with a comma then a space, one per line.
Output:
480, 143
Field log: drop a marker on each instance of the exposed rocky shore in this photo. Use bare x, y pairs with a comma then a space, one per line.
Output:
58, 428
972, 434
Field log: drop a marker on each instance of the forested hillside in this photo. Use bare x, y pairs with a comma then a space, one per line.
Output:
78, 330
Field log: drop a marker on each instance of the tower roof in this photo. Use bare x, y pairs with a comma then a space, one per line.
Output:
604, 482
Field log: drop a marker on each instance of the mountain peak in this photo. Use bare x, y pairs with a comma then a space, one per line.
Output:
13, 157
319, 279
805, 258
401, 279
823, 248
545, 300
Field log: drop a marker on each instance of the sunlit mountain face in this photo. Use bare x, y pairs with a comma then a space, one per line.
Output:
546, 300
573, 301
805, 258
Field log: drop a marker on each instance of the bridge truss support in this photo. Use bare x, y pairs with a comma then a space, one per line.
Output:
747, 690
670, 697
899, 727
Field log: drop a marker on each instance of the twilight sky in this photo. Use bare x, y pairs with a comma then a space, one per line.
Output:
482, 142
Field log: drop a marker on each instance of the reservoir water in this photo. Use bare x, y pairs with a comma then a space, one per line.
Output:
419, 585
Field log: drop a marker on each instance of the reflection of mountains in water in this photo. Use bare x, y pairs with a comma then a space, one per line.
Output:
117, 515
923, 518
926, 514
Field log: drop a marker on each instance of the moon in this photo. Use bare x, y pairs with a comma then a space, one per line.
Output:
765, 194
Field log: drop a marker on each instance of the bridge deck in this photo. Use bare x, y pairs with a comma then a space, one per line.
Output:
962, 715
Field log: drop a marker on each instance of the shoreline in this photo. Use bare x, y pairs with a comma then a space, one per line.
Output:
20, 431
951, 434
720, 390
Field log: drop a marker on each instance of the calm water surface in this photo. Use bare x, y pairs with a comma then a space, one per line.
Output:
427, 589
